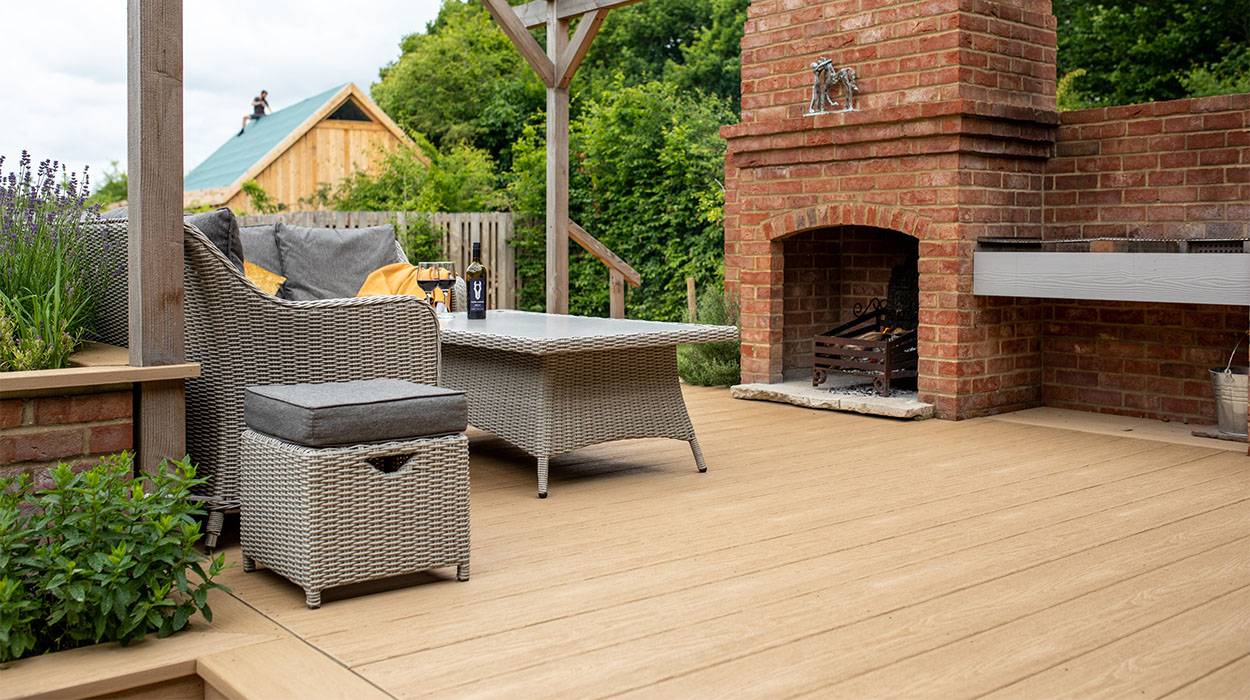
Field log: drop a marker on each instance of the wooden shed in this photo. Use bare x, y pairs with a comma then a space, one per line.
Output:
289, 153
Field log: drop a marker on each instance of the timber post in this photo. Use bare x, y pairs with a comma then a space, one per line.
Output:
557, 170
154, 161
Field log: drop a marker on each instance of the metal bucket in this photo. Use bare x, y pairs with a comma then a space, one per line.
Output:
1231, 386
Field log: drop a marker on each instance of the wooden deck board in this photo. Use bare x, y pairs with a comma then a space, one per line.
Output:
828, 554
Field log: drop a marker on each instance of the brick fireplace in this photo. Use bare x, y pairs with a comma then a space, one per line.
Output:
955, 137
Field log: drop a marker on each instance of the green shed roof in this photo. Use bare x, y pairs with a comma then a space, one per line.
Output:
239, 153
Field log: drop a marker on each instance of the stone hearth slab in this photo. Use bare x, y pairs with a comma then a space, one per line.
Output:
800, 392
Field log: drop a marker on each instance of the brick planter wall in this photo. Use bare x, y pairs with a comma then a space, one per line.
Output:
38, 431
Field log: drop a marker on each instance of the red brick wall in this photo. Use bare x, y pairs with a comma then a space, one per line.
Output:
37, 432
1177, 169
953, 126
1136, 359
954, 139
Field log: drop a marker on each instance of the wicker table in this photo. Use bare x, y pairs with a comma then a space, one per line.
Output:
550, 384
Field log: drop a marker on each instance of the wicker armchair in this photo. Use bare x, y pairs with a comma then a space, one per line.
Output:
243, 337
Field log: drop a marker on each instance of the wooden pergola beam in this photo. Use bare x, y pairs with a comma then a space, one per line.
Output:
613, 261
154, 162
556, 69
530, 50
572, 57
534, 14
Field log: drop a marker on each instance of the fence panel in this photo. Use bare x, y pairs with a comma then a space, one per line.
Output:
460, 230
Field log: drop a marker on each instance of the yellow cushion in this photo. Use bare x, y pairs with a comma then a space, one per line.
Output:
396, 278
266, 280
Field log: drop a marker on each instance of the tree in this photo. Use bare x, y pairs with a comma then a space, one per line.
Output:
646, 164
421, 178
461, 81
1134, 51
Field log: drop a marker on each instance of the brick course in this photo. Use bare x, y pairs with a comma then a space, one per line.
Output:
1137, 359
1178, 169
37, 432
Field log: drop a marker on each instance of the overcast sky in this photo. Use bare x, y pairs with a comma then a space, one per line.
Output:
63, 86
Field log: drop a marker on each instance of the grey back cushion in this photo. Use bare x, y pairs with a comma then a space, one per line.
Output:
327, 263
223, 230
260, 246
219, 225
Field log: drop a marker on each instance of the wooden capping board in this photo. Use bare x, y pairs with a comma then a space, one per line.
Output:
534, 14
605, 256
109, 668
1194, 278
95, 364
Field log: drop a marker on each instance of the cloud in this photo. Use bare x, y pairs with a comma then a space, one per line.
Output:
66, 99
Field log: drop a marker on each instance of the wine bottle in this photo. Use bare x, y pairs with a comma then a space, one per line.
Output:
476, 278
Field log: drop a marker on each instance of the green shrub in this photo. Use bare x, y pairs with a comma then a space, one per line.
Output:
99, 557
711, 364
52, 274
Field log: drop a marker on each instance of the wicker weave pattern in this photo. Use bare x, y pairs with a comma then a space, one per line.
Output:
244, 337
324, 517
553, 403
663, 335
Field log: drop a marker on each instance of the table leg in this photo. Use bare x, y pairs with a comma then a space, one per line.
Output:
698, 454
542, 477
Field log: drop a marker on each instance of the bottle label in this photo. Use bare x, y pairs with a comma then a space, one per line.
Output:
477, 297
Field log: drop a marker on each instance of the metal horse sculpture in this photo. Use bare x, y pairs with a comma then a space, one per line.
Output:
826, 76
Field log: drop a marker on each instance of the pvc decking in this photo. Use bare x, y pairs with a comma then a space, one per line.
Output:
822, 555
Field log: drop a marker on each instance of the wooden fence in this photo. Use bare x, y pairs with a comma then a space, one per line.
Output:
493, 230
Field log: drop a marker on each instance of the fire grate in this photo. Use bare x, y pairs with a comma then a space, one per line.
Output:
880, 342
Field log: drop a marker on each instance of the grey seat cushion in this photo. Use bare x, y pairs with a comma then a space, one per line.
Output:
260, 246
326, 263
220, 226
343, 413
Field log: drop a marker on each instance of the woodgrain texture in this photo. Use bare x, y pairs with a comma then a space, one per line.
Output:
826, 555
604, 254
318, 151
1195, 278
535, 14
557, 172
578, 46
154, 161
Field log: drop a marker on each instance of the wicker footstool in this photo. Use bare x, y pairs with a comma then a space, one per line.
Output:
350, 509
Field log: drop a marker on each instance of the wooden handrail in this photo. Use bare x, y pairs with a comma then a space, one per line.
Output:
619, 271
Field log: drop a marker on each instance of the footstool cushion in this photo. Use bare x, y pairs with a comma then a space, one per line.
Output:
342, 413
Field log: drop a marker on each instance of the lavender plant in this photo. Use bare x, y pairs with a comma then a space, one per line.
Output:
54, 272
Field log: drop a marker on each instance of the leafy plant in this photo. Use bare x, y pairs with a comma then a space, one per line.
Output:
259, 199
422, 240
646, 163
1160, 50
711, 364
100, 557
54, 272
422, 178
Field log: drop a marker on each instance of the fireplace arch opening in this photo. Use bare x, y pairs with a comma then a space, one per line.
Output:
830, 273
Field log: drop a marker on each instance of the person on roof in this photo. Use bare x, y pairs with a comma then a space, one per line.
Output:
259, 105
